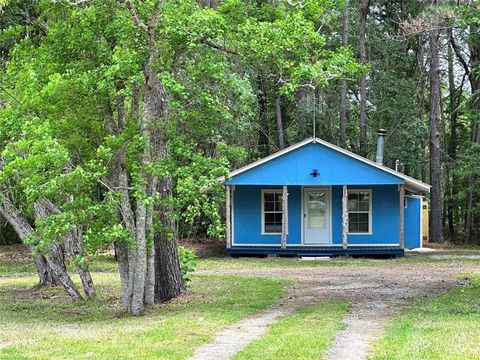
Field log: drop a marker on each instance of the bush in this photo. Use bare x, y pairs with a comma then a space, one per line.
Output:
188, 262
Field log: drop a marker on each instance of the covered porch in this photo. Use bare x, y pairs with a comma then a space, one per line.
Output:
316, 251
306, 220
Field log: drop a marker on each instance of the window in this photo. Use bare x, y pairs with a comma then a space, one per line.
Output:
359, 211
272, 211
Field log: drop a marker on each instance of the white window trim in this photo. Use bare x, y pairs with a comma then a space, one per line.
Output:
370, 212
278, 191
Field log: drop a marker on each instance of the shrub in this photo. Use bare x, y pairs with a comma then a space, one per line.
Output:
188, 262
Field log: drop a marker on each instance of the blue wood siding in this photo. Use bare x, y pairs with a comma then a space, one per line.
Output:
385, 216
413, 213
294, 168
247, 216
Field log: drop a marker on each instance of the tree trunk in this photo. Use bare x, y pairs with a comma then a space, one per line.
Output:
22, 227
150, 276
263, 117
436, 216
168, 278
119, 178
454, 97
343, 84
46, 276
278, 116
362, 42
54, 258
474, 77
421, 103
74, 246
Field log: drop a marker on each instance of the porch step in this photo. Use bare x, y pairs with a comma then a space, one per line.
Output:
315, 258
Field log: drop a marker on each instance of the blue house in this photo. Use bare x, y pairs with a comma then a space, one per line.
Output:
317, 199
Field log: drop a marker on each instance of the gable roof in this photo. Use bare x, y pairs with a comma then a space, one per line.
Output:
410, 183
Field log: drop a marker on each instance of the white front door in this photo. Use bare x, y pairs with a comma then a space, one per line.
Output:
316, 215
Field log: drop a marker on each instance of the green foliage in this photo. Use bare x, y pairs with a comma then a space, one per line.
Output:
64, 69
188, 263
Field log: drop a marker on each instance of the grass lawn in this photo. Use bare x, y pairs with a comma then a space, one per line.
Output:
15, 260
307, 334
446, 327
454, 256
45, 324
13, 265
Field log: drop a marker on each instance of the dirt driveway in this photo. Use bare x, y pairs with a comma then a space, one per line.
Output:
375, 293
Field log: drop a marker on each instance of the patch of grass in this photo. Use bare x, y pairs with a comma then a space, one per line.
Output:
103, 262
446, 327
16, 260
106, 261
44, 323
470, 257
305, 335
279, 262
12, 267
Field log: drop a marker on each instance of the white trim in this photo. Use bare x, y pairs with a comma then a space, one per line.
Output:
262, 228
350, 245
410, 182
370, 211
256, 245
302, 219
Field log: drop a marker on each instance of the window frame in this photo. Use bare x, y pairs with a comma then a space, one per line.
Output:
262, 201
370, 211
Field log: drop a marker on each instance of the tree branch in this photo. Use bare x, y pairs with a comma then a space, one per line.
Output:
126, 4
460, 57
72, 3
211, 44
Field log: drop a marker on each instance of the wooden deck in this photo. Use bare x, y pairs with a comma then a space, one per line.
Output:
331, 251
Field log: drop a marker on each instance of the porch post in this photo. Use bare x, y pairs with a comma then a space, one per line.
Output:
345, 217
401, 190
284, 216
228, 216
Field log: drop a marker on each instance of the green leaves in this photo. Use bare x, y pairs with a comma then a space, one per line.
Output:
188, 263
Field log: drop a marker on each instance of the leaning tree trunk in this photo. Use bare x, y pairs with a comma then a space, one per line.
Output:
343, 83
362, 42
52, 256
74, 247
436, 213
22, 227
